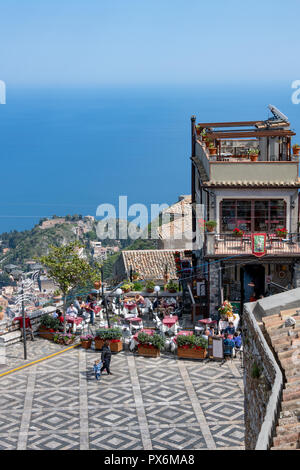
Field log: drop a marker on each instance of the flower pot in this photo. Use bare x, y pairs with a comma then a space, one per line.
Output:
97, 285
172, 291
116, 345
99, 343
86, 344
125, 290
47, 333
254, 158
296, 151
148, 350
149, 290
191, 353
212, 151
210, 228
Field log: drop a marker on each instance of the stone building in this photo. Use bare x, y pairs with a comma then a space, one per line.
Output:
245, 177
272, 372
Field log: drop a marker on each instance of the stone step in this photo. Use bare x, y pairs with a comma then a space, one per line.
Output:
284, 421
292, 394
294, 427
288, 438
291, 405
291, 446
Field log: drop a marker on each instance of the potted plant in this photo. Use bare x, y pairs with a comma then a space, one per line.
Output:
150, 345
135, 275
48, 326
57, 296
64, 338
192, 347
114, 335
172, 286
150, 286
97, 285
212, 149
253, 153
281, 232
86, 341
210, 225
296, 149
226, 311
138, 286
237, 232
127, 286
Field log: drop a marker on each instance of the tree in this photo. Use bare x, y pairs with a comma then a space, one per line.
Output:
68, 270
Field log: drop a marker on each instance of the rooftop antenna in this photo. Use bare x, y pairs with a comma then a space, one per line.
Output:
278, 115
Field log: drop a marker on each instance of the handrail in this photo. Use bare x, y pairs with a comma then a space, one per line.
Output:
267, 431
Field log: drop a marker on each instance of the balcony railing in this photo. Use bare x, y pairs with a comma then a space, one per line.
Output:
227, 244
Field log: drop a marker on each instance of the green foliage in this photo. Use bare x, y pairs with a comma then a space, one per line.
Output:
256, 371
67, 269
192, 341
156, 340
150, 285
211, 223
138, 286
109, 333
172, 285
127, 285
47, 321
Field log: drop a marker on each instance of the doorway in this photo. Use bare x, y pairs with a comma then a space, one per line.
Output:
253, 282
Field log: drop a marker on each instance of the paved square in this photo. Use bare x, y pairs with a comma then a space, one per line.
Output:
162, 403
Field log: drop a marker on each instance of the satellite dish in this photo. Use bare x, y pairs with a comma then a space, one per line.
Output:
278, 114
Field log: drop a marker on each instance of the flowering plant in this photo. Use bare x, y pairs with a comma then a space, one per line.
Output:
155, 340
281, 232
237, 232
226, 309
86, 338
64, 338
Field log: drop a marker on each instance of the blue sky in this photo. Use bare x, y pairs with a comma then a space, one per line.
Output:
130, 42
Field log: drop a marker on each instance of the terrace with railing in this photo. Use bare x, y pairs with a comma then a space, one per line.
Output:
222, 244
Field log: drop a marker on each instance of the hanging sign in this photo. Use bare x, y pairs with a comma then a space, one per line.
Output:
259, 244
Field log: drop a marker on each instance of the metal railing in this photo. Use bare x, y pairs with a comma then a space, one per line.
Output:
229, 244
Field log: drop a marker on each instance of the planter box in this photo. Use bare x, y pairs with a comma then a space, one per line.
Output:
47, 333
99, 343
191, 353
116, 346
149, 352
86, 344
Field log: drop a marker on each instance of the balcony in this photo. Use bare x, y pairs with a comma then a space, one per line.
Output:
224, 244
232, 168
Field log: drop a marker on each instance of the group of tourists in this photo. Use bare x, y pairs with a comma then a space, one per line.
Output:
78, 308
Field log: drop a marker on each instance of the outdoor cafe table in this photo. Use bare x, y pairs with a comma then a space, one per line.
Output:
170, 321
76, 320
135, 319
207, 321
148, 332
130, 306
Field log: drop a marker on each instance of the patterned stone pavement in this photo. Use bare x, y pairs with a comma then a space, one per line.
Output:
147, 403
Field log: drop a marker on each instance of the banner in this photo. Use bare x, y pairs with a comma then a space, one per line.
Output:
259, 244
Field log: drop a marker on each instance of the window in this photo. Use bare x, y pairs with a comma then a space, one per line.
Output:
256, 215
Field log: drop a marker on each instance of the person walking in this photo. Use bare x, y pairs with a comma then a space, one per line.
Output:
97, 369
106, 357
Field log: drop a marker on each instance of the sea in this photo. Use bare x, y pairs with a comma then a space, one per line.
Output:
69, 150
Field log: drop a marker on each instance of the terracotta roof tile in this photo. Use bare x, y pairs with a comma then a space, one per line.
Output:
151, 264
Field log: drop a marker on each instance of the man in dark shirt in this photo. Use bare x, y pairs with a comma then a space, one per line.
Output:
230, 330
228, 346
106, 357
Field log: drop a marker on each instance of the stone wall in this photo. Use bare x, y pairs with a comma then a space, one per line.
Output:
214, 288
10, 331
263, 385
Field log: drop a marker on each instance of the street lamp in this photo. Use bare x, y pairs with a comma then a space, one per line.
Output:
119, 292
157, 289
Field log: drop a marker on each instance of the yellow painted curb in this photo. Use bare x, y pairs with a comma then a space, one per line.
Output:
39, 360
